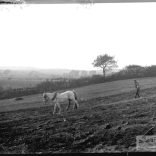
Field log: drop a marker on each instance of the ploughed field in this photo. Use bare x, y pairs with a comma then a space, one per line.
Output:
108, 120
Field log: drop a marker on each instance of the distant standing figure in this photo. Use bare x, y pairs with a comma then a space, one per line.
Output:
137, 86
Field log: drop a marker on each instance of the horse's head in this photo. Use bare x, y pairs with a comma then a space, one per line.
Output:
45, 98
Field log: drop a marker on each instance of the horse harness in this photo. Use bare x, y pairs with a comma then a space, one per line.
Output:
55, 94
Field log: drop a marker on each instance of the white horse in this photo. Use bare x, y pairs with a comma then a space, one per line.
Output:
57, 98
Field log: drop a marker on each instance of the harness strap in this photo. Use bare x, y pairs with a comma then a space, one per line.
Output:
45, 96
75, 95
55, 94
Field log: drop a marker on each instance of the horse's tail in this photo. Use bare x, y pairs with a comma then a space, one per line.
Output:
75, 95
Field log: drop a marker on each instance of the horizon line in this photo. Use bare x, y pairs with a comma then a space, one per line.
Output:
40, 68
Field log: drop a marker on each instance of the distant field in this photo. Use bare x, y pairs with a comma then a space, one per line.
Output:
115, 87
108, 120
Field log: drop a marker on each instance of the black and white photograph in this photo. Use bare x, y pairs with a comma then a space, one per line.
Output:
77, 76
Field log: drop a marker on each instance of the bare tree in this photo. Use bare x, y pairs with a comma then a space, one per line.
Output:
105, 62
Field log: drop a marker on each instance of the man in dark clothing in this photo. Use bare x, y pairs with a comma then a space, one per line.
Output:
137, 86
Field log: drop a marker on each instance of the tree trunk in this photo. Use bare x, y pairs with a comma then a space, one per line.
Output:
104, 73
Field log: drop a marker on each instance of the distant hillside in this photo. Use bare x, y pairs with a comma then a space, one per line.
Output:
16, 77
39, 74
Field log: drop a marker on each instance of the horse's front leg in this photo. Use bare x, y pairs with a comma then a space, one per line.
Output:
59, 108
54, 108
76, 105
68, 104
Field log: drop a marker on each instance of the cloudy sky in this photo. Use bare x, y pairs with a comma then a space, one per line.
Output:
72, 35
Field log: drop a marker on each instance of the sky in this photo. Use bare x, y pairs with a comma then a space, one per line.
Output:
71, 36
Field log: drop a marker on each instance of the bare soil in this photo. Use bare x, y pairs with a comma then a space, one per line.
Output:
102, 124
